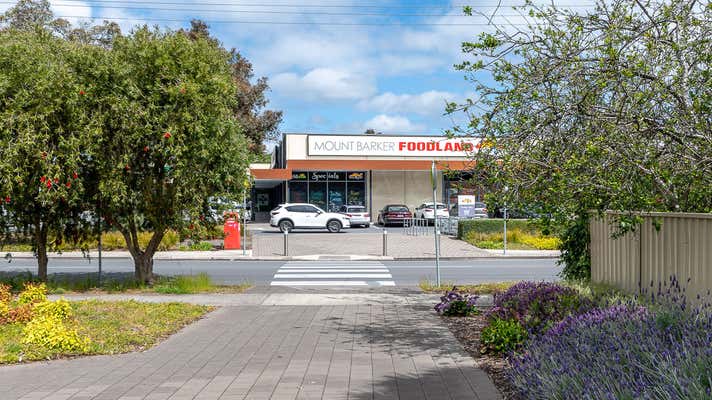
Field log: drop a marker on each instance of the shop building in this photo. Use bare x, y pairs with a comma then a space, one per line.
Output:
370, 170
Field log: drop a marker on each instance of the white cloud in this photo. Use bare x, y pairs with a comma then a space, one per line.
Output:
393, 124
323, 84
431, 102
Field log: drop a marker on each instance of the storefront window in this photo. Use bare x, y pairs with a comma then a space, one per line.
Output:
298, 192
337, 195
357, 193
317, 194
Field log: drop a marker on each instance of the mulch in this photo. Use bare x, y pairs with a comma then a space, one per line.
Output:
467, 331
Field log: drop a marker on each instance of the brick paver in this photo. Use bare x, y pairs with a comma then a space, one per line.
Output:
355, 352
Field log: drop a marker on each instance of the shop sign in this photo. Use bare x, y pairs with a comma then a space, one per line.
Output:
391, 146
356, 176
318, 176
299, 176
466, 206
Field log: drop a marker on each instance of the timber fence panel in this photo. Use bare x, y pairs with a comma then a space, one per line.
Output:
664, 245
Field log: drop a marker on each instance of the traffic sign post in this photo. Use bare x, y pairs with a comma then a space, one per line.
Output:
434, 181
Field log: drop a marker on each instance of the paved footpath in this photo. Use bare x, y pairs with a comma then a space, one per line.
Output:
335, 350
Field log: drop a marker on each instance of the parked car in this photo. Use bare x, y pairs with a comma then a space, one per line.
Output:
394, 214
480, 211
428, 211
358, 215
288, 217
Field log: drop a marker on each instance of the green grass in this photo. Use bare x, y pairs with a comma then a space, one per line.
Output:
112, 327
122, 282
479, 288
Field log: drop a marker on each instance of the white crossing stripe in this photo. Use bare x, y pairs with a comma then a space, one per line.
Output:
292, 276
333, 273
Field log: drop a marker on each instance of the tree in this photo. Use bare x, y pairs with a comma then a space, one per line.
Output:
169, 137
606, 109
42, 139
258, 125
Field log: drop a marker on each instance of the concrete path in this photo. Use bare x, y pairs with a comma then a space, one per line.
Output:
365, 351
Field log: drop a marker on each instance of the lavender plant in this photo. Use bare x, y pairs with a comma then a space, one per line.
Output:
454, 304
662, 351
538, 305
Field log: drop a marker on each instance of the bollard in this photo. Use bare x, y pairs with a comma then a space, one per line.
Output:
385, 242
286, 243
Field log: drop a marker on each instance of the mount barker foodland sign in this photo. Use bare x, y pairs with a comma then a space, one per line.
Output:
394, 146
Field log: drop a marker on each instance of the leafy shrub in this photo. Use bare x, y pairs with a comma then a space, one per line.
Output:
495, 240
621, 352
575, 251
538, 305
33, 293
112, 241
18, 313
492, 225
60, 309
454, 304
50, 332
502, 336
201, 246
5, 293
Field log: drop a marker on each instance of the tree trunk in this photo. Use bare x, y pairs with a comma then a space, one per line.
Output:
42, 260
143, 268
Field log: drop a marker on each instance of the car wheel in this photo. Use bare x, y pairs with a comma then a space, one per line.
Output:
334, 226
286, 226
367, 226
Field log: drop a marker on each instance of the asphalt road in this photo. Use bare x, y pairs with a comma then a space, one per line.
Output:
405, 273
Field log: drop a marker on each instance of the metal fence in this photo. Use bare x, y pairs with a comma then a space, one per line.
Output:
665, 245
424, 227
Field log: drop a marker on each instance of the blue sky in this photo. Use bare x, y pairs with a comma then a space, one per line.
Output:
388, 74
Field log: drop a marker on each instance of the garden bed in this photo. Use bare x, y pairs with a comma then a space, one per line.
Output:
544, 340
33, 328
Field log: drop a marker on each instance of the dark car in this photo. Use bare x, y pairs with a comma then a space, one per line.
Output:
394, 214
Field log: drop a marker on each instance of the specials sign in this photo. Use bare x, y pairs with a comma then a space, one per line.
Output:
393, 146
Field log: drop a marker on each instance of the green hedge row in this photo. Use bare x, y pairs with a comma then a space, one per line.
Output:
492, 225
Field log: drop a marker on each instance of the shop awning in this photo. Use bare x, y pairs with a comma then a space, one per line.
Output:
272, 174
377, 165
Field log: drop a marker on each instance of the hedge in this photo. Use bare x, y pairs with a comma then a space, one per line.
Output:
492, 225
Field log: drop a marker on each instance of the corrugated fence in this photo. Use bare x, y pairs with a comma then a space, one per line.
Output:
681, 247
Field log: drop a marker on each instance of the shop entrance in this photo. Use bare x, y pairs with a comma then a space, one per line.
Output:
266, 196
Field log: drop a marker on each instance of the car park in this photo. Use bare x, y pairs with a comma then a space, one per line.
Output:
394, 214
428, 211
358, 215
290, 216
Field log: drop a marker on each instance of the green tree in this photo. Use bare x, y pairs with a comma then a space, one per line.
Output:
169, 137
42, 139
595, 110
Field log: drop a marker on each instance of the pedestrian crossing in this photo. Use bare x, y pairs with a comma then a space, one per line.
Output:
333, 273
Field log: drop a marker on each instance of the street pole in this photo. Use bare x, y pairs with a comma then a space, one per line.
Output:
244, 220
506, 192
98, 224
434, 179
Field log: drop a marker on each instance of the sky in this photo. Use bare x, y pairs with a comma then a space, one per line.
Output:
334, 66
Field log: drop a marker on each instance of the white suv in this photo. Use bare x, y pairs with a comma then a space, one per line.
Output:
306, 216
428, 212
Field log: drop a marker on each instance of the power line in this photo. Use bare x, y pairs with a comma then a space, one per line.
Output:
146, 19
315, 5
355, 14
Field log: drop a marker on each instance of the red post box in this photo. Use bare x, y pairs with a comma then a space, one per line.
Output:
231, 228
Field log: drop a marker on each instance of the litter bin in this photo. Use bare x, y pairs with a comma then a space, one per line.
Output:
231, 228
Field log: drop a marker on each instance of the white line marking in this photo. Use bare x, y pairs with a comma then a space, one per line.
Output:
319, 283
372, 276
281, 270
386, 283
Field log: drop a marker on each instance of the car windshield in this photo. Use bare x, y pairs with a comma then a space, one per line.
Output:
480, 205
440, 206
397, 209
